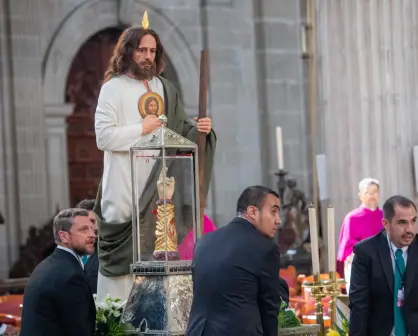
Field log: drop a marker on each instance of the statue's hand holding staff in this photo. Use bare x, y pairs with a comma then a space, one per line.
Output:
204, 125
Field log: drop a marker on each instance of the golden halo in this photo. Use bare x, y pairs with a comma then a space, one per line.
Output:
151, 103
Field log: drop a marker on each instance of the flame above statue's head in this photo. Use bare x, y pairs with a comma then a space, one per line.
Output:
145, 22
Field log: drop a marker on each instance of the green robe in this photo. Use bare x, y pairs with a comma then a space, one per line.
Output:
115, 249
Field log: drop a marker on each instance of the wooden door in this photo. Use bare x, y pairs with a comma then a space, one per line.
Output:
85, 160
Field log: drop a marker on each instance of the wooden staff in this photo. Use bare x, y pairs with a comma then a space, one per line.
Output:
201, 142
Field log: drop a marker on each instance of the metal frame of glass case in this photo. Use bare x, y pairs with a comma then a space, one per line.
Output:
162, 292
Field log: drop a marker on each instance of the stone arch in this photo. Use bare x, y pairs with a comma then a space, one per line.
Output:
83, 22
98, 15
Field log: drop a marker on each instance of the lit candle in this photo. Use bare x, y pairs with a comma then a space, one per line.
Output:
313, 228
331, 239
279, 141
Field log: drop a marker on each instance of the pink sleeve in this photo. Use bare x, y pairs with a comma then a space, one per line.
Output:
349, 237
186, 248
208, 225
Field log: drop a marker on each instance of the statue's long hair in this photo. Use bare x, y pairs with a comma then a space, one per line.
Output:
124, 50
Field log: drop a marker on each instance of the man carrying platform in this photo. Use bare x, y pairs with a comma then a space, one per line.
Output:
123, 116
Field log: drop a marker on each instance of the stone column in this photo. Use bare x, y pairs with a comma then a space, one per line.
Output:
369, 94
57, 155
26, 66
229, 35
9, 202
281, 90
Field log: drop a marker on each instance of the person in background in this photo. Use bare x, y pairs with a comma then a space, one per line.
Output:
359, 224
186, 247
58, 299
384, 286
91, 262
235, 269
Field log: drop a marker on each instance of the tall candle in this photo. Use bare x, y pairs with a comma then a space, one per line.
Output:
279, 141
313, 228
331, 239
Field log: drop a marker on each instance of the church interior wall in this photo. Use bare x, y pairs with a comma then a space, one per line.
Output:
233, 103
282, 90
24, 165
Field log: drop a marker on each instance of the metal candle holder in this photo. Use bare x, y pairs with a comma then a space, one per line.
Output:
332, 288
317, 292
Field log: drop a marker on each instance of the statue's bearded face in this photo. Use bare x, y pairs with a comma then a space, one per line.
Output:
143, 65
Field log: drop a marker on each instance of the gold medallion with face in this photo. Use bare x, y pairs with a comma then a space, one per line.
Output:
151, 103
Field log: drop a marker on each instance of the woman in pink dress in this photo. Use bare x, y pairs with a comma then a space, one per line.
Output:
187, 245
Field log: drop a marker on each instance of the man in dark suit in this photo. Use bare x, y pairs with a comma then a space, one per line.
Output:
384, 281
91, 262
237, 289
58, 299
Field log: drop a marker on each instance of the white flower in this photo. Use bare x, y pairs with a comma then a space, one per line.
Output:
102, 305
116, 313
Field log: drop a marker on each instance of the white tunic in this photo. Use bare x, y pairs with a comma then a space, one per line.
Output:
118, 125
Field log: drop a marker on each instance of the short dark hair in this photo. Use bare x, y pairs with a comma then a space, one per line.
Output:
255, 196
64, 220
87, 204
392, 202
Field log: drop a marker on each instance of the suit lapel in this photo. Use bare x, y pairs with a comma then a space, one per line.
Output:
88, 264
386, 259
411, 266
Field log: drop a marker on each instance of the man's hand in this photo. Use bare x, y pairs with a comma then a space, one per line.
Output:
204, 125
150, 123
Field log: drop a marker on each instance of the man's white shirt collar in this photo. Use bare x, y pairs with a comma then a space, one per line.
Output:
73, 253
393, 250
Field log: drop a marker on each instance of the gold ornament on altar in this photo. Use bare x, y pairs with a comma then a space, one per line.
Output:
145, 22
165, 230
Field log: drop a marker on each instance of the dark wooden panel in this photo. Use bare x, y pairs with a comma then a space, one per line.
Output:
83, 87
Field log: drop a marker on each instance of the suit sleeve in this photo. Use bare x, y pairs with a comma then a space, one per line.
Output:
359, 293
270, 290
110, 135
93, 273
76, 294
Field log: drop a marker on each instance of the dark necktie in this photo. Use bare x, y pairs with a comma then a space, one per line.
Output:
400, 329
